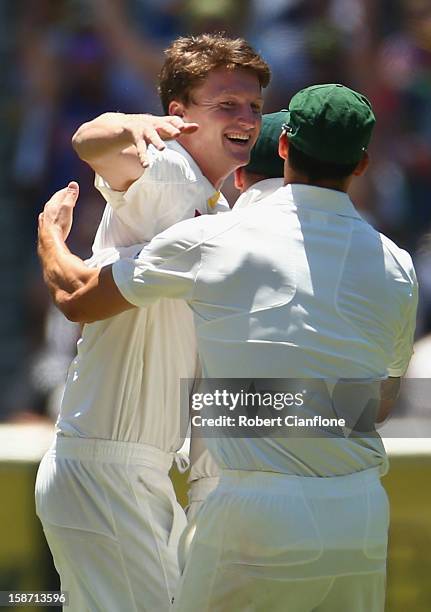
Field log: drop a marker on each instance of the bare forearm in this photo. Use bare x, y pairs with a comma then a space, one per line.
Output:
115, 144
64, 273
108, 134
82, 294
107, 145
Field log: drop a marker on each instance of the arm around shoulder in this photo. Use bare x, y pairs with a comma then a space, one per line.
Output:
97, 298
115, 144
107, 145
81, 293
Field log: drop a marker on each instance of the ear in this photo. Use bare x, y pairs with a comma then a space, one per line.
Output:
283, 145
176, 108
238, 176
362, 165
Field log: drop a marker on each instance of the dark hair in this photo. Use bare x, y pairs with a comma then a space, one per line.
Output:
316, 170
190, 59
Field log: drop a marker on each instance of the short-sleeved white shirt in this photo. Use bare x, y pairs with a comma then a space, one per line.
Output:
202, 465
124, 383
258, 191
297, 285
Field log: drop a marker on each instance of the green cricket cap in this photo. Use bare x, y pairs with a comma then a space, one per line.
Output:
264, 157
331, 123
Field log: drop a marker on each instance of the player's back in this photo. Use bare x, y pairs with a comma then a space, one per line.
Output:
304, 289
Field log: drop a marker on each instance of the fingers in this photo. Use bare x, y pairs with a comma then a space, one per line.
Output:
154, 139
67, 195
148, 130
189, 128
141, 148
73, 187
58, 196
143, 139
72, 193
168, 131
175, 120
173, 126
180, 124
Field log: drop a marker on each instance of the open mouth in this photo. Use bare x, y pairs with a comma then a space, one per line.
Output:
238, 138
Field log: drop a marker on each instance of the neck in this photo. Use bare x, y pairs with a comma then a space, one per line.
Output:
251, 178
214, 175
291, 177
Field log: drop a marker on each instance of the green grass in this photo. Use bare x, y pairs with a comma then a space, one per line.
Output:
409, 561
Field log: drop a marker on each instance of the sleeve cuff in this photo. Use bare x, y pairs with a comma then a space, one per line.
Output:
112, 197
122, 273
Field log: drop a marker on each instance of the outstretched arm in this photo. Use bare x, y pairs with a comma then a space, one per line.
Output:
115, 144
167, 267
82, 294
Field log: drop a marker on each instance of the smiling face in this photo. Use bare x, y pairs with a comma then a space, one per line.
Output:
228, 107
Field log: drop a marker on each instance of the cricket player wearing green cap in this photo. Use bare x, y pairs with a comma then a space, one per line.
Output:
294, 286
258, 179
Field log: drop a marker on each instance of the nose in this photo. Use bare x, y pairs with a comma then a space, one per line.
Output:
248, 117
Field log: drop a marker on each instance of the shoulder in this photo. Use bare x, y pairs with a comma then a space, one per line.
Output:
193, 233
170, 166
397, 260
259, 191
399, 257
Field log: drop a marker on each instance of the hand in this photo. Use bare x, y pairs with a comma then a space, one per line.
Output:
148, 129
58, 211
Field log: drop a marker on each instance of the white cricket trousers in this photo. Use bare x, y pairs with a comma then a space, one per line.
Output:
112, 522
270, 542
198, 493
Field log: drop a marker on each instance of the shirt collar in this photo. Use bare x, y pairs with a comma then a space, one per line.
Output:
215, 200
257, 192
316, 198
320, 198
176, 146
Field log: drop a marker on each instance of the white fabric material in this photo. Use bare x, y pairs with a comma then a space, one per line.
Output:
113, 525
112, 522
204, 471
171, 189
258, 191
201, 461
124, 382
275, 542
199, 491
299, 286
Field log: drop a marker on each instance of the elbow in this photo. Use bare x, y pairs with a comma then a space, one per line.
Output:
83, 140
78, 142
71, 308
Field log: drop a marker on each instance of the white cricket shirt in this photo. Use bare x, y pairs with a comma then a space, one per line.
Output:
297, 285
202, 465
258, 191
124, 383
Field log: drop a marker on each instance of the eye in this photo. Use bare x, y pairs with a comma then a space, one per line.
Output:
227, 103
256, 108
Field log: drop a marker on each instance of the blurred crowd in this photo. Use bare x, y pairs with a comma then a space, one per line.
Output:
66, 61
